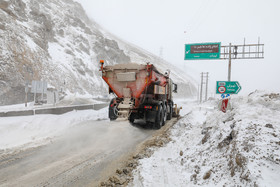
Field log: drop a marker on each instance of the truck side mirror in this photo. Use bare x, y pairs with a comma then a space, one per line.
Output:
175, 88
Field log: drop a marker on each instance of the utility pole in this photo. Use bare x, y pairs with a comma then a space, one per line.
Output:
198, 93
201, 86
204, 76
206, 86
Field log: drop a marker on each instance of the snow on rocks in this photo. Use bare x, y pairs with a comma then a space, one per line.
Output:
212, 148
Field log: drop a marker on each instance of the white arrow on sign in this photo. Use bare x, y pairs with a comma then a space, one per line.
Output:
239, 87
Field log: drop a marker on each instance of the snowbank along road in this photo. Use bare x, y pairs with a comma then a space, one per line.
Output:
210, 148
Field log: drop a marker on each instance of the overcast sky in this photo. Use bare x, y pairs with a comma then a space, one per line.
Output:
170, 24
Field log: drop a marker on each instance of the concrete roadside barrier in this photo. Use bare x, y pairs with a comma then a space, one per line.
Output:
54, 110
100, 106
62, 110
17, 113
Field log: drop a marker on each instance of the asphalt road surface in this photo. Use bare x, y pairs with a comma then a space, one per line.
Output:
82, 156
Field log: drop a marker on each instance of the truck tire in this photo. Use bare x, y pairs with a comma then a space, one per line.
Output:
131, 118
112, 111
159, 118
164, 114
169, 115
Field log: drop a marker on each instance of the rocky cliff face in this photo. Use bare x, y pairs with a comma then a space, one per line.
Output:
54, 40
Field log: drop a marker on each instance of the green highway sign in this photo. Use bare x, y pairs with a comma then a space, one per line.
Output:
202, 51
227, 87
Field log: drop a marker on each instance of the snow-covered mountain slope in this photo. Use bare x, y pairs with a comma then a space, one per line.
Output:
212, 148
54, 40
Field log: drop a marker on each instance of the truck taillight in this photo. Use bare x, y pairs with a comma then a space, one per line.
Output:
148, 107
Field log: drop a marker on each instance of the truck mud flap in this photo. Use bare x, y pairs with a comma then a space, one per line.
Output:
151, 116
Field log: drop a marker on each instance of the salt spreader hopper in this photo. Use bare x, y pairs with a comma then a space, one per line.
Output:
141, 91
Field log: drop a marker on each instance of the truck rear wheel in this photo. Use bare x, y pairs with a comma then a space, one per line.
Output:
164, 114
113, 112
159, 118
131, 118
169, 115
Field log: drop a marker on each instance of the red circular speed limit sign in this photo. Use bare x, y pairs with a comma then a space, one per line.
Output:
222, 89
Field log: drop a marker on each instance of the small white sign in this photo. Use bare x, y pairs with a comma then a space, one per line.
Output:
39, 87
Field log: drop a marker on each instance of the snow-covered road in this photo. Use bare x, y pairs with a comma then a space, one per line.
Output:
80, 156
78, 148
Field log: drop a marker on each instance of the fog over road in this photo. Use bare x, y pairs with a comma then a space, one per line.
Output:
82, 156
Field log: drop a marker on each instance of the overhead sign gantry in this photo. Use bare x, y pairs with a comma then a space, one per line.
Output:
214, 51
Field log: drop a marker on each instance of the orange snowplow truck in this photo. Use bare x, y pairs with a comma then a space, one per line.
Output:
141, 91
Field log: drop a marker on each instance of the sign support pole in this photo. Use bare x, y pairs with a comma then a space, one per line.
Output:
26, 91
35, 90
229, 63
25, 99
